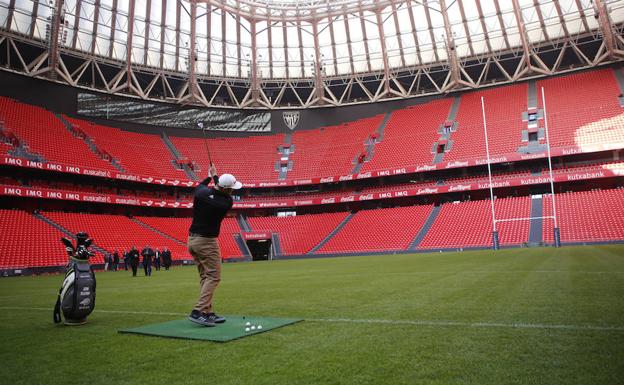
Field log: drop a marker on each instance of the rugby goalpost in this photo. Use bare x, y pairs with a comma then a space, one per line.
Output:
495, 235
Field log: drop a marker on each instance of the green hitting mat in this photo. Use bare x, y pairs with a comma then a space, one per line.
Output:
235, 327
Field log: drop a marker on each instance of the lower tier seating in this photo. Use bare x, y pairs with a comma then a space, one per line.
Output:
469, 224
588, 216
378, 230
117, 232
27, 241
299, 234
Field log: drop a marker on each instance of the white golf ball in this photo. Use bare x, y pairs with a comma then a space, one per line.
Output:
248, 324
253, 327
246, 329
259, 327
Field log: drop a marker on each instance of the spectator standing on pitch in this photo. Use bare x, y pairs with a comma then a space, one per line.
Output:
166, 258
107, 258
115, 260
134, 260
147, 254
126, 259
210, 205
157, 259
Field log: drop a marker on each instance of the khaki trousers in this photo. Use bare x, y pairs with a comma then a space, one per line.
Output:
207, 254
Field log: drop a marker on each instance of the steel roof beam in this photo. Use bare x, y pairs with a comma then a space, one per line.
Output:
147, 31
348, 33
430, 27
605, 27
366, 49
465, 24
96, 18
33, 18
318, 71
55, 34
541, 18
410, 13
384, 53
483, 26
450, 49
113, 29
398, 34
528, 66
501, 22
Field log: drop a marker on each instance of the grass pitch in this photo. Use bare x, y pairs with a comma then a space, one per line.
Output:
531, 316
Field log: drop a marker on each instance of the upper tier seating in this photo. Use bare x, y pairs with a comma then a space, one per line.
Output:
117, 232
503, 109
330, 151
469, 224
409, 136
583, 109
379, 230
45, 134
249, 159
588, 216
141, 154
178, 228
298, 234
28, 242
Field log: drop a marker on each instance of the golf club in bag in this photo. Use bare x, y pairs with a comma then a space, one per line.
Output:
76, 299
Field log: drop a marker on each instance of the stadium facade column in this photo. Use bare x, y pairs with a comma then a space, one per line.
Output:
55, 33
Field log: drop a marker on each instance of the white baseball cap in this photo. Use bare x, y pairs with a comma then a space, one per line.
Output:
229, 181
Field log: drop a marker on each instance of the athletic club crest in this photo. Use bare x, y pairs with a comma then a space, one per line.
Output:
291, 118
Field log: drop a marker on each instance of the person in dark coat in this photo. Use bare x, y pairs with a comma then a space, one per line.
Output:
147, 254
134, 260
157, 259
126, 259
166, 257
115, 260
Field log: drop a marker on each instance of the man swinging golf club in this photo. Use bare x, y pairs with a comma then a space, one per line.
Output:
210, 206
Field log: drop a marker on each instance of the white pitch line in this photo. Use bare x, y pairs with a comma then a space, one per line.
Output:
434, 323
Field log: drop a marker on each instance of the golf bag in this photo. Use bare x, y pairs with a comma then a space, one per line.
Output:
76, 298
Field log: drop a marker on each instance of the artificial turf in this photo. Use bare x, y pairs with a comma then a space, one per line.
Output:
526, 316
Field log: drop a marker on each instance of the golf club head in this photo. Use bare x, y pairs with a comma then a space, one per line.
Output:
68, 246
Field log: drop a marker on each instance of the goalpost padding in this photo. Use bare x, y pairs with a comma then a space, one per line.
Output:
232, 329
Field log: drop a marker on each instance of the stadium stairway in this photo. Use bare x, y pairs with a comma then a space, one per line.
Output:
85, 138
242, 246
277, 245
331, 234
138, 222
65, 231
532, 94
176, 154
535, 229
370, 145
242, 222
289, 163
446, 134
426, 226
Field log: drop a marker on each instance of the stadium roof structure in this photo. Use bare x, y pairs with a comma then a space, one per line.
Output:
271, 54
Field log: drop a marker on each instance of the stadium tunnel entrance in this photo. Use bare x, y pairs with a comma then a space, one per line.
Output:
260, 249
259, 244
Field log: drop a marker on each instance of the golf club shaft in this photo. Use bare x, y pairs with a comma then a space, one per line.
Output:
207, 148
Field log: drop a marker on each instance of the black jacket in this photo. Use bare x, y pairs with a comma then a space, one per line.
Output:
209, 208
